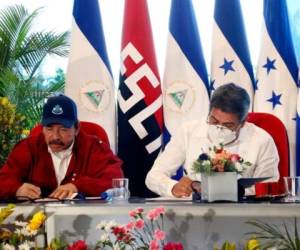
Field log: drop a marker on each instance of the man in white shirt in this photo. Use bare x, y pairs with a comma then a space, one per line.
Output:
226, 122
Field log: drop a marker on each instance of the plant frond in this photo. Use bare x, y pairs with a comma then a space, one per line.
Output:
15, 25
272, 236
23, 50
38, 46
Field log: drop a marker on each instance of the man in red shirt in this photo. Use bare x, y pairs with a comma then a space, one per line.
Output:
59, 161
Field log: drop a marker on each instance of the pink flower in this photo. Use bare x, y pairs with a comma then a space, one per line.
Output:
153, 214
159, 235
130, 225
173, 246
132, 213
161, 210
139, 210
119, 231
139, 224
128, 239
235, 157
154, 245
78, 245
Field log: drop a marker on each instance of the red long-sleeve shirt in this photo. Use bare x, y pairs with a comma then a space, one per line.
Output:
91, 169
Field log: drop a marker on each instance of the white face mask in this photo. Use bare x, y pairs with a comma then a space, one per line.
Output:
220, 134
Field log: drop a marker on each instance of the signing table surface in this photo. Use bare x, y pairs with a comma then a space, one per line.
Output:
196, 225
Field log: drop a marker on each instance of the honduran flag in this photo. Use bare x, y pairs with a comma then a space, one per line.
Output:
89, 78
230, 54
140, 116
277, 71
185, 82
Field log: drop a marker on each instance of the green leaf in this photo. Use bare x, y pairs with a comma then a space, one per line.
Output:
272, 236
23, 50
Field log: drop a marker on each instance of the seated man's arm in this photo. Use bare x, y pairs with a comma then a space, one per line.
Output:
183, 188
28, 190
64, 191
268, 159
167, 163
101, 167
14, 171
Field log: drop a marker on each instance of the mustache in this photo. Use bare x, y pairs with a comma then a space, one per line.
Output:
56, 142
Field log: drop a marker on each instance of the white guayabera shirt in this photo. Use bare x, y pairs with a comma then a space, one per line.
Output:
61, 161
253, 144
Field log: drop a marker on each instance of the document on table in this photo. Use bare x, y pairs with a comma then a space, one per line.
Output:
74, 197
169, 199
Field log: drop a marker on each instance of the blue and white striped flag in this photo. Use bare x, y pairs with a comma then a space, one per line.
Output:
89, 77
277, 71
230, 54
298, 134
185, 82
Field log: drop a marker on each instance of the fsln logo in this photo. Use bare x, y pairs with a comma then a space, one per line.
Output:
137, 94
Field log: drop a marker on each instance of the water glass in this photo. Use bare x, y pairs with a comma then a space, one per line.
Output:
292, 186
120, 189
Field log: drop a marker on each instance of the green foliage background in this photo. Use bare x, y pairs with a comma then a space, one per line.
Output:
22, 51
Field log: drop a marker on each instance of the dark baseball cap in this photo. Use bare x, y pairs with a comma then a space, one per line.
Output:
59, 110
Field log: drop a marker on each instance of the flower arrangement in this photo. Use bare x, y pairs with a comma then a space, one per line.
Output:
219, 160
11, 128
61, 244
140, 233
23, 234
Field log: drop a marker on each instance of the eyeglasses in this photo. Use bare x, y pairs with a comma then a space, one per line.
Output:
214, 121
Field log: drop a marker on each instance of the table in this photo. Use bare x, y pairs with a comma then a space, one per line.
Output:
196, 225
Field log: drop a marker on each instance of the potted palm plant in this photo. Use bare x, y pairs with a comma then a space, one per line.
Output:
22, 52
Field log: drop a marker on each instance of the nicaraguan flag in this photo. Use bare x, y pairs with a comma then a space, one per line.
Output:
185, 83
230, 54
298, 134
140, 115
89, 79
276, 90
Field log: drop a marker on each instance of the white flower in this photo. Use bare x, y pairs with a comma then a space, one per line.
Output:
24, 246
27, 245
239, 167
117, 247
101, 225
27, 232
109, 225
104, 238
206, 163
21, 223
31, 243
8, 247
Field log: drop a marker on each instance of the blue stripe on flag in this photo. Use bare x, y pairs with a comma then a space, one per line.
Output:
298, 133
298, 142
232, 27
279, 30
186, 35
88, 18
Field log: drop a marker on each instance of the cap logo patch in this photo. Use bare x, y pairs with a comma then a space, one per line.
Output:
57, 110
